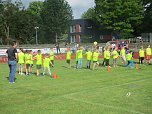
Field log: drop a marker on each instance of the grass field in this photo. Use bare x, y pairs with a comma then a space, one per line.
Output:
80, 91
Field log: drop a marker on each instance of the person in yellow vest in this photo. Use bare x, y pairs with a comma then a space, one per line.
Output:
46, 64
27, 61
129, 60
89, 58
107, 56
115, 57
31, 61
123, 55
95, 57
141, 55
104, 56
80, 56
68, 57
21, 57
38, 58
148, 54
52, 57
76, 58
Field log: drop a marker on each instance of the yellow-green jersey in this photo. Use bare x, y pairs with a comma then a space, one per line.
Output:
27, 58
68, 55
46, 62
21, 56
115, 54
89, 55
51, 55
129, 56
148, 51
39, 59
122, 52
107, 55
141, 53
76, 55
104, 53
31, 59
95, 56
80, 52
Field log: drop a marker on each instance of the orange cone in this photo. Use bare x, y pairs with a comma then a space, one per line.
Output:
108, 68
54, 75
137, 67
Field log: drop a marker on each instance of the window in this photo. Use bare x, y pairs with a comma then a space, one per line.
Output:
73, 39
72, 29
80, 28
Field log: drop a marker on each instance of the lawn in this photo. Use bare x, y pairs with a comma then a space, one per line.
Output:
78, 91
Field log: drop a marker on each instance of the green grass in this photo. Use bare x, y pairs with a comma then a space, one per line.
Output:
79, 91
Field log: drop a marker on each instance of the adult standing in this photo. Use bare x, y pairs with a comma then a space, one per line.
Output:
58, 47
12, 61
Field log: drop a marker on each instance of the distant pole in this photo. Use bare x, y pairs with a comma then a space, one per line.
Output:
36, 35
56, 37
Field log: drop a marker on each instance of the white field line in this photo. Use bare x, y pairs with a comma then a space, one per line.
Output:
104, 105
68, 96
137, 81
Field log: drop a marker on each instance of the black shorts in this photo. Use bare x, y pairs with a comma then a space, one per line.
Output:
38, 66
52, 61
76, 62
95, 61
31, 65
27, 66
68, 61
141, 58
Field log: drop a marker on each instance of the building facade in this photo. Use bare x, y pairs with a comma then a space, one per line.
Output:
85, 30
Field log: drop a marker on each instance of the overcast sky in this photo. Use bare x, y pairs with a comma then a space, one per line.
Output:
78, 6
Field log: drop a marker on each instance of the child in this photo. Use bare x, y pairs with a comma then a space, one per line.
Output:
38, 62
115, 56
129, 59
148, 54
27, 61
95, 58
46, 64
89, 57
21, 61
52, 57
104, 54
123, 55
68, 57
80, 56
141, 55
31, 61
107, 55
76, 58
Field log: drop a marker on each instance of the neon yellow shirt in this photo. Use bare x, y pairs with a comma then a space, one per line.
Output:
51, 55
46, 62
27, 58
115, 54
141, 53
104, 53
21, 58
39, 59
31, 59
89, 55
122, 52
68, 55
95, 56
148, 51
80, 54
129, 56
107, 54
76, 56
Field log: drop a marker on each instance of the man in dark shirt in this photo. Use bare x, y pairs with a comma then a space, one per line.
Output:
12, 61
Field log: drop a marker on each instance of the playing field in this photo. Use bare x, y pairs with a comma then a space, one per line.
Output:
78, 91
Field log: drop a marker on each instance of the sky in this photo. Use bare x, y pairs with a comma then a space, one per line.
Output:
78, 6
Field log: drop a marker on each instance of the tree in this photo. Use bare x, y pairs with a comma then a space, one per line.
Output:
56, 15
89, 14
119, 15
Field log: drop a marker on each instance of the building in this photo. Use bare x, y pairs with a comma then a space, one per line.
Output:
146, 37
85, 30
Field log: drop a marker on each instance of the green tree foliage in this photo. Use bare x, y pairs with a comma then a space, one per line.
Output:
119, 15
89, 14
56, 15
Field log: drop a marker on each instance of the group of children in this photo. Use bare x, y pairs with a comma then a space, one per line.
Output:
26, 59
